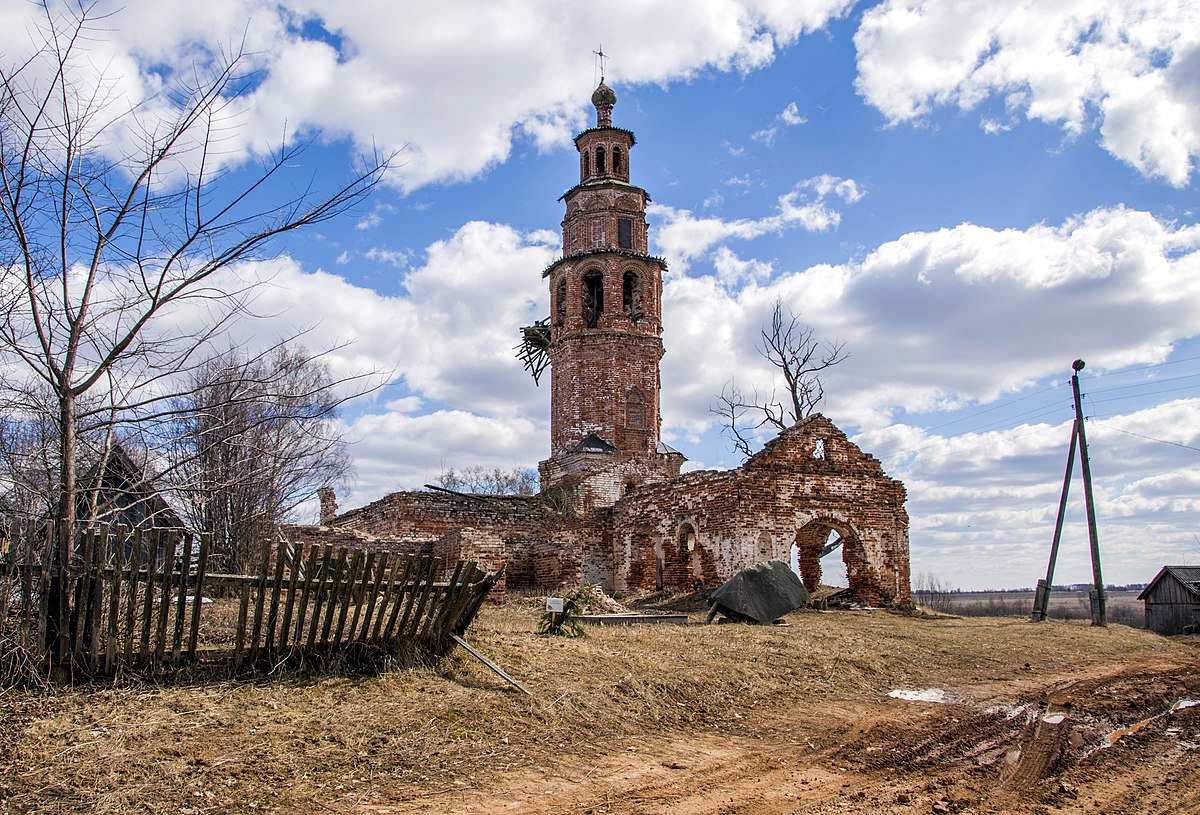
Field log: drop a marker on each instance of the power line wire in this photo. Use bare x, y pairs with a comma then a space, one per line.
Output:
1148, 438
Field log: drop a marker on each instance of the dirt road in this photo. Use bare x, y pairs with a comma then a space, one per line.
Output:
1028, 747
987, 716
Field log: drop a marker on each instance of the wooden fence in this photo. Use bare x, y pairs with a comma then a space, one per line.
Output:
105, 601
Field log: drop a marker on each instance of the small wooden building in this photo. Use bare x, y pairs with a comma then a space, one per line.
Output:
1173, 599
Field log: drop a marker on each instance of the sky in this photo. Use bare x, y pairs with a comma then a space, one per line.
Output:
968, 195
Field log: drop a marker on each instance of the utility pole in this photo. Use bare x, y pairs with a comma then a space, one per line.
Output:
1041, 600
1099, 604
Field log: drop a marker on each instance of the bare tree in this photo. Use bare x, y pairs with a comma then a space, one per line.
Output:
494, 481
934, 593
113, 217
254, 438
793, 348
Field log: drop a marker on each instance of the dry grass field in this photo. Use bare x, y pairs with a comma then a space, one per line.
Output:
656, 719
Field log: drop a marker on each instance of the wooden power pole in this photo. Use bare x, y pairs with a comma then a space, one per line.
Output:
1041, 602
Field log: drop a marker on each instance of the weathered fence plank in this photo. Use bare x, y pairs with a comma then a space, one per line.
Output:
131, 596
185, 568
198, 594
322, 582
119, 601
114, 600
333, 595
153, 544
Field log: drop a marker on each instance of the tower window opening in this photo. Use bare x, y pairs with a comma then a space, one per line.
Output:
616, 159
593, 298
631, 301
585, 163
560, 303
624, 230
599, 159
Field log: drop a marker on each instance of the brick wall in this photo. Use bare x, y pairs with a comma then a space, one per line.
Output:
705, 526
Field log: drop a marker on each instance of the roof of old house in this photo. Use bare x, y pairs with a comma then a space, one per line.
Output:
124, 486
1189, 576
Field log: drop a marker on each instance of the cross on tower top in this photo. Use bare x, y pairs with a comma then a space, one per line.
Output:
600, 57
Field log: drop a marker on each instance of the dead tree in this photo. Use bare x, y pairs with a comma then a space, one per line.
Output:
800, 358
113, 217
252, 439
477, 480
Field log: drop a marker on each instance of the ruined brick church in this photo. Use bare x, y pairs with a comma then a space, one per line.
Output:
613, 508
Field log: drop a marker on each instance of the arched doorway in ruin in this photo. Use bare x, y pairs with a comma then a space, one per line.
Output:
822, 540
694, 566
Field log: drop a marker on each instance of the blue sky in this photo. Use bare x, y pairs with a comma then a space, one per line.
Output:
970, 196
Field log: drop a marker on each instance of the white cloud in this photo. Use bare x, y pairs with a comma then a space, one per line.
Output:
788, 117
1131, 64
791, 115
766, 135
392, 257
375, 217
998, 492
454, 83
681, 236
396, 450
733, 271
937, 320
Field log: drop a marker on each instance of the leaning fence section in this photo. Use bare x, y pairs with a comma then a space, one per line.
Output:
103, 600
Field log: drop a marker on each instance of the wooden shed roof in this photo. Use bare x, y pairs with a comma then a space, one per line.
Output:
1189, 576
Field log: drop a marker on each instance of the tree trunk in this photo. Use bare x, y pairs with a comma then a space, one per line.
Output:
68, 442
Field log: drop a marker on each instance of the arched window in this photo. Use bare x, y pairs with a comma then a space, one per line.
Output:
593, 298
635, 410
599, 159
584, 155
631, 301
616, 159
560, 303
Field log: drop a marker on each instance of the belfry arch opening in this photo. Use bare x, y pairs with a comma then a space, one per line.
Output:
593, 298
631, 296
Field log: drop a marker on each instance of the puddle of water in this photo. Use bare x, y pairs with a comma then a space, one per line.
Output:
1054, 718
1120, 733
936, 695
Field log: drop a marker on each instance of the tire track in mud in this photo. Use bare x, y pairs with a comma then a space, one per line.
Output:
883, 755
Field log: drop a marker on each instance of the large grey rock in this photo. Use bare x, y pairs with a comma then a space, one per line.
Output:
762, 593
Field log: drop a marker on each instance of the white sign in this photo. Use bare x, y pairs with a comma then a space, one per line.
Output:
554, 604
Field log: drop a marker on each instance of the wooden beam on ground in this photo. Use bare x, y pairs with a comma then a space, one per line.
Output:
495, 668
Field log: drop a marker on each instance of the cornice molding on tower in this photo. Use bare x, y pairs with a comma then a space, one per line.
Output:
625, 253
604, 183
606, 128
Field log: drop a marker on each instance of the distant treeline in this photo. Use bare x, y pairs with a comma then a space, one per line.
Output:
1067, 587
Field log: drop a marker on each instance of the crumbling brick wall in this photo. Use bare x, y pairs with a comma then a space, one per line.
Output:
484, 547
678, 533
499, 530
703, 527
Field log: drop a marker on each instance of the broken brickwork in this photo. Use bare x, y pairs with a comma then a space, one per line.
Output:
614, 508
701, 528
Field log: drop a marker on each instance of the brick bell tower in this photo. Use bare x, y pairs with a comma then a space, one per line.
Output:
603, 341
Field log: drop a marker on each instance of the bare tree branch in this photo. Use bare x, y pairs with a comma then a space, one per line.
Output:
111, 217
794, 350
